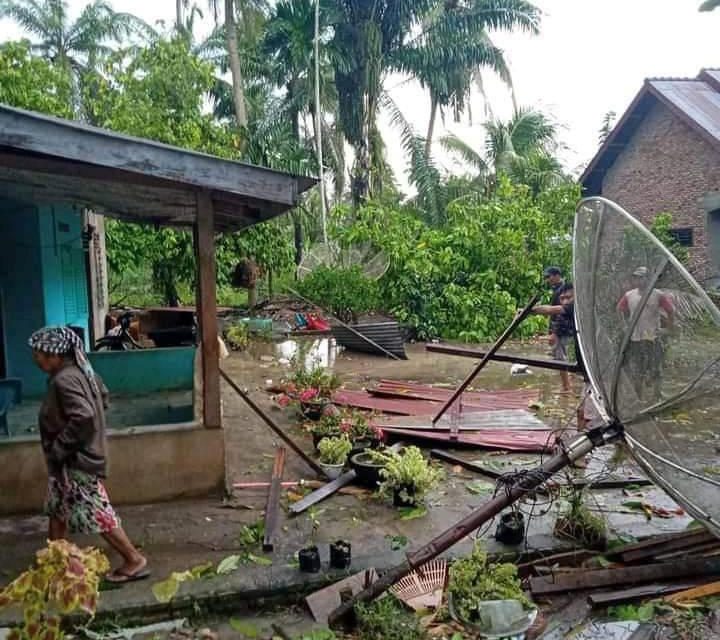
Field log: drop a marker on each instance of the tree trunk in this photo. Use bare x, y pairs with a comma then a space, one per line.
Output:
234, 58
252, 297
339, 143
179, 15
298, 233
431, 126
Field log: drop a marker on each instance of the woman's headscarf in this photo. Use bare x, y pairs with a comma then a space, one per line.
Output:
64, 341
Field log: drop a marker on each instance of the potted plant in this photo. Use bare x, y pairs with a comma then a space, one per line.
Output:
309, 556
363, 433
340, 554
407, 475
367, 466
333, 455
329, 426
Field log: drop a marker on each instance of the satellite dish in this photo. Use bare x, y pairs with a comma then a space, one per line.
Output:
373, 262
650, 339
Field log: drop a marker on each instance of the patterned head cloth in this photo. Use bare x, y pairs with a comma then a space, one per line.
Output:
64, 341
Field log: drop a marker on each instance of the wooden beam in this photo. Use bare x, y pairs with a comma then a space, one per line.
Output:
566, 582
77, 141
323, 492
555, 365
272, 507
270, 423
207, 310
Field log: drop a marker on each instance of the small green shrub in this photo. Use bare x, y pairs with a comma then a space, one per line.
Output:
407, 471
346, 293
388, 619
473, 579
334, 450
237, 336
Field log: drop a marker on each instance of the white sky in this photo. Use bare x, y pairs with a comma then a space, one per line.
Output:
591, 57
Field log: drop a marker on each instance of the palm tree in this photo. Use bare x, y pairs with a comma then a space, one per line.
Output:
239, 15
78, 45
366, 34
709, 5
522, 148
454, 46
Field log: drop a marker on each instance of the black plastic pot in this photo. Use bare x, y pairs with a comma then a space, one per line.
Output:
368, 472
309, 559
401, 501
340, 554
358, 446
313, 410
511, 529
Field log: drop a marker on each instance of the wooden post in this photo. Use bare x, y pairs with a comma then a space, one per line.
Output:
207, 310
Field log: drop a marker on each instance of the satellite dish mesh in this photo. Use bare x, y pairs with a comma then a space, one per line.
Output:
650, 338
373, 262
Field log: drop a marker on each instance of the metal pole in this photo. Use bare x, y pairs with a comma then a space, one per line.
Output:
487, 357
318, 122
580, 446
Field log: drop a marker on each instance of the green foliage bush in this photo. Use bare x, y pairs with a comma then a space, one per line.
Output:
466, 279
388, 619
346, 293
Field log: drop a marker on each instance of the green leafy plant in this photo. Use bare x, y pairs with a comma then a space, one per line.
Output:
473, 580
328, 425
237, 336
317, 379
334, 451
388, 619
407, 472
346, 293
578, 523
64, 579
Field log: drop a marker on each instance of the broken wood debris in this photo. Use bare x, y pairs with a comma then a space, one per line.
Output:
563, 583
650, 549
554, 365
607, 598
272, 508
505, 439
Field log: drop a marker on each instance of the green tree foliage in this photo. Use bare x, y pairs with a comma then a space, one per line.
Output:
466, 279
661, 227
29, 82
159, 94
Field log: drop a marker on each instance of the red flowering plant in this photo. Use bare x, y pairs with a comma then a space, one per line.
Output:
63, 580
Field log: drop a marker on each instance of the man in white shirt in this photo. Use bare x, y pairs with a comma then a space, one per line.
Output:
645, 354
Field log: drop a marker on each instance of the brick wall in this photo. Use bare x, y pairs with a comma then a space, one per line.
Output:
668, 167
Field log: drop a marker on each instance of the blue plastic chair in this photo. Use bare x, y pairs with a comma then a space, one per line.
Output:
10, 395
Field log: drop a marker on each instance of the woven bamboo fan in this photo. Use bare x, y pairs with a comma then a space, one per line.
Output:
423, 588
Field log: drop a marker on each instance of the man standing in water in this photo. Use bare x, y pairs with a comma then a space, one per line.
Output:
560, 336
645, 353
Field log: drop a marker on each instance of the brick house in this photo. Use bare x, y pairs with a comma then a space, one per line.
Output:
664, 156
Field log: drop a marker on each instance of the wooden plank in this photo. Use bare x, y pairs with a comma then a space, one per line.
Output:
654, 541
686, 568
606, 598
327, 490
701, 537
323, 492
694, 550
703, 591
77, 141
207, 311
272, 507
466, 352
322, 602
270, 423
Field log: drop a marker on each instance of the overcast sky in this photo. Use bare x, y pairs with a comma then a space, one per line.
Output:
591, 57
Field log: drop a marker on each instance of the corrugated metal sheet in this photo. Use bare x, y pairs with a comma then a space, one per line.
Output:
387, 334
697, 100
485, 400
508, 440
472, 421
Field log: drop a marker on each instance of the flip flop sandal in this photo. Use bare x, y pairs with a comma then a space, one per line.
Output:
120, 577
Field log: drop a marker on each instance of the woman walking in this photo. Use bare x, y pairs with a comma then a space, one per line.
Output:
72, 433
